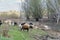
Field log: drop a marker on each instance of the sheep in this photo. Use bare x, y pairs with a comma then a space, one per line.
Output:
31, 25
20, 25
25, 26
8, 22
0, 22
15, 23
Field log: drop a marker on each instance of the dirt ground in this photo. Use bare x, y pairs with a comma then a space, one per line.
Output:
53, 33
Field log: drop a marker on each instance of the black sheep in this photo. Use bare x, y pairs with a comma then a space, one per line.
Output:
15, 23
31, 25
0, 22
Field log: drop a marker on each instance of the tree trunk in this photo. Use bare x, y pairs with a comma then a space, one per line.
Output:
28, 18
37, 19
57, 20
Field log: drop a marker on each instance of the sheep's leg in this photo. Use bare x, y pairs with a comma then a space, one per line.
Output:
27, 29
21, 28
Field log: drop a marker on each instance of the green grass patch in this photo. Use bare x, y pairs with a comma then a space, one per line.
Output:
16, 34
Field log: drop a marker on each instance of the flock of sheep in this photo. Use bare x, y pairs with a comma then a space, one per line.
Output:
23, 26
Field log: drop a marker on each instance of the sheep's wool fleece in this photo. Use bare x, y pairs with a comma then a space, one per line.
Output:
27, 25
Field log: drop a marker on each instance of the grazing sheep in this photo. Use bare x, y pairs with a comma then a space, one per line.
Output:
0, 22
15, 23
25, 26
20, 26
31, 25
8, 22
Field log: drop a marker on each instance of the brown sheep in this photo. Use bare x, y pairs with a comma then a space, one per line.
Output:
25, 26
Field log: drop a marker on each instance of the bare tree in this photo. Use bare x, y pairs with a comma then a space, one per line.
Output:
26, 8
53, 7
37, 9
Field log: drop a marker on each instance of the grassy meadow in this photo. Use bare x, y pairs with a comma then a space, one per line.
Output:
16, 34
